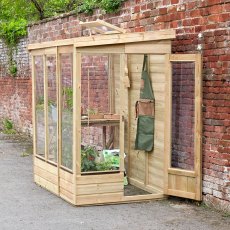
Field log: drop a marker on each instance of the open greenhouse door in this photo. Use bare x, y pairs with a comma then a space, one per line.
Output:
183, 126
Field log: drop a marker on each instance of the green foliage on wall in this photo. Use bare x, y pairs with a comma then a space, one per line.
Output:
14, 17
10, 33
109, 6
8, 127
34, 10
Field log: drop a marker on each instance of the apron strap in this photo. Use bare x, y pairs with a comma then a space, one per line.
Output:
147, 87
145, 64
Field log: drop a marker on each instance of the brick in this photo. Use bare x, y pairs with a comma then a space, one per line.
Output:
195, 13
217, 194
224, 17
174, 2
166, 2
150, 6
226, 7
172, 9
212, 2
137, 9
191, 5
163, 10
143, 7
216, 9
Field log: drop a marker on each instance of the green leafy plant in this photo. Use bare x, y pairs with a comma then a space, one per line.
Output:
92, 111
40, 100
67, 93
24, 154
89, 161
15, 16
33, 10
88, 157
40, 103
52, 102
104, 165
87, 6
11, 32
13, 69
7, 124
109, 6
8, 127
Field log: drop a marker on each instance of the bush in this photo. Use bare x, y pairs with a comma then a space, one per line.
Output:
12, 31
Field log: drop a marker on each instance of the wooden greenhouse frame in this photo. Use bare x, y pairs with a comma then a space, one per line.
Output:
150, 172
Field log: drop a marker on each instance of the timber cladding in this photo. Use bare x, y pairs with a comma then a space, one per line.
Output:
147, 170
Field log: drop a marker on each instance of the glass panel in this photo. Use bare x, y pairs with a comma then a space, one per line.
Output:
183, 93
39, 107
66, 61
100, 125
52, 107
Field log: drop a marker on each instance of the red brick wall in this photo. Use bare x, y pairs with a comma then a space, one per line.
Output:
97, 69
201, 26
95, 77
16, 102
183, 94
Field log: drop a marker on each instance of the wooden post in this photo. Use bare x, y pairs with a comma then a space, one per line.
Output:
46, 106
198, 125
123, 107
77, 111
76, 119
34, 111
111, 84
59, 114
167, 120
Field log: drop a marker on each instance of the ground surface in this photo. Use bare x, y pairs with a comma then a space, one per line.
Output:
24, 205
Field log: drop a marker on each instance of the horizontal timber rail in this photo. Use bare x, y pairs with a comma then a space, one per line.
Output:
108, 39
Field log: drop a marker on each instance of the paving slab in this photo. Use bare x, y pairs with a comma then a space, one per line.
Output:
24, 205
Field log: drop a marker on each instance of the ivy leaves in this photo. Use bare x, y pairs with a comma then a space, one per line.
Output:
15, 15
12, 31
109, 6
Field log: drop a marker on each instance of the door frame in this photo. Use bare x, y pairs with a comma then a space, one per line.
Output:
187, 184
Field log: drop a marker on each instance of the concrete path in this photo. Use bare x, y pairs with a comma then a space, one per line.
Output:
24, 205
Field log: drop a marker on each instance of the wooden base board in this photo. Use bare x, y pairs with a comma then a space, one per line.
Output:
91, 189
129, 199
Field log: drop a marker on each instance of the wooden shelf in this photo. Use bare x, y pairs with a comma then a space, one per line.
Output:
100, 122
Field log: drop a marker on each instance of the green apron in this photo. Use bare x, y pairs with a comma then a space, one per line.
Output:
145, 122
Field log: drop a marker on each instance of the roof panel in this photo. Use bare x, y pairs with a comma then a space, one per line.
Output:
102, 27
